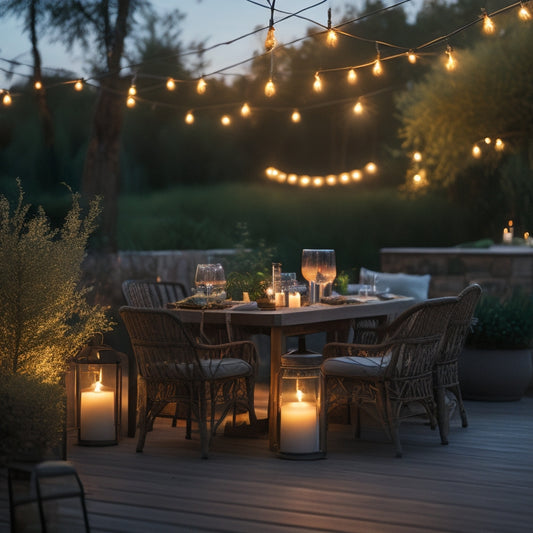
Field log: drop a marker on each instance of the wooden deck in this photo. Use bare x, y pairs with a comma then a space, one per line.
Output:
481, 482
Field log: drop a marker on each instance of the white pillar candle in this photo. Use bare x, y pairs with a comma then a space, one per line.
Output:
298, 428
280, 299
507, 236
294, 299
97, 415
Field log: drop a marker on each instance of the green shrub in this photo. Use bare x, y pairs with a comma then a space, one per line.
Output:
502, 322
32, 415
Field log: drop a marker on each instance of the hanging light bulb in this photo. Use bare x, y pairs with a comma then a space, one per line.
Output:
451, 63
78, 86
132, 91
331, 179
296, 117
499, 145
171, 84
417, 157
6, 99
201, 86
358, 108
371, 168
488, 25
352, 76
245, 110
38, 85
411, 57
523, 12
331, 37
130, 102
356, 175
189, 117
305, 181
270, 41
377, 69
225, 120
487, 140
344, 178
270, 88
476, 151
417, 178
317, 84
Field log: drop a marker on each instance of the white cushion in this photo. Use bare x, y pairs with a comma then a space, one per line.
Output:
352, 366
220, 368
414, 285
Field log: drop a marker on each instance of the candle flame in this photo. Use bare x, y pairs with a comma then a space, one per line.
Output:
299, 395
98, 386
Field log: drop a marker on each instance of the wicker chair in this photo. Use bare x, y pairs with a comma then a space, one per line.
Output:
211, 379
385, 378
445, 372
154, 294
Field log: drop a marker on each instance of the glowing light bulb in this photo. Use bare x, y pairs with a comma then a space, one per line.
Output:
451, 63
292, 179
132, 91
201, 86
352, 76
271, 172
476, 151
225, 120
245, 110
38, 85
189, 118
171, 84
358, 108
281, 177
130, 102
499, 145
356, 175
411, 57
305, 181
270, 88
6, 99
331, 38
488, 25
296, 117
377, 69
331, 179
487, 140
270, 40
417, 178
371, 168
78, 86
417, 156
317, 84
344, 178
524, 13
318, 181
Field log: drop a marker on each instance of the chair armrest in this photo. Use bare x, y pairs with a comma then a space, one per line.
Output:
244, 350
344, 349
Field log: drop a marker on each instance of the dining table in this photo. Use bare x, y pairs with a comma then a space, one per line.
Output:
246, 319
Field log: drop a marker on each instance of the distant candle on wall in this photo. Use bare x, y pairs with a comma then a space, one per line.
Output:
294, 299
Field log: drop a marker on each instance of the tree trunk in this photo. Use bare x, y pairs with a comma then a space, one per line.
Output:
101, 173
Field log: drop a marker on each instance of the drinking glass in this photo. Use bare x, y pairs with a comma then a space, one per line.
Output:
218, 283
319, 269
203, 280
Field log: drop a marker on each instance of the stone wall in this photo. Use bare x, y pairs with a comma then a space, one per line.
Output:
497, 269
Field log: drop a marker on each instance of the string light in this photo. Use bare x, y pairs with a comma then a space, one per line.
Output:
171, 84
417, 157
130, 102
487, 140
189, 117
201, 86
296, 117
377, 70
371, 168
270, 41
132, 91
38, 85
523, 12
304, 180
331, 37
499, 145
78, 86
411, 57
476, 151
317, 84
488, 25
451, 63
225, 120
352, 76
245, 110
6, 99
358, 108
270, 88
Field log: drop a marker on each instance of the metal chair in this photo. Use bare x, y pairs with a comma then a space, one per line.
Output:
211, 380
385, 378
445, 372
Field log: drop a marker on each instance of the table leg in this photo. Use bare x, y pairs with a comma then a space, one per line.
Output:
277, 348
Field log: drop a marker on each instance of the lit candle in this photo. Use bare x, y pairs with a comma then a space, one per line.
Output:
294, 299
299, 427
507, 236
245, 297
280, 299
97, 414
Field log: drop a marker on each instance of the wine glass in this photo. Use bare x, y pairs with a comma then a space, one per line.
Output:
218, 282
203, 280
319, 269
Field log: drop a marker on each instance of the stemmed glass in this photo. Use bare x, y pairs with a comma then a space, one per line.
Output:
319, 269
209, 278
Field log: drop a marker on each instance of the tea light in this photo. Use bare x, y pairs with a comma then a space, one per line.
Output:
280, 299
294, 299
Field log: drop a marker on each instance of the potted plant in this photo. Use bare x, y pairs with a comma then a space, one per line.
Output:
496, 362
46, 319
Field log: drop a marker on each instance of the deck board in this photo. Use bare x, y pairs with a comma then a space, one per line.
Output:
481, 481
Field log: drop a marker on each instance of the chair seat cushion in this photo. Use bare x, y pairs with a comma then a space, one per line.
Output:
220, 368
352, 366
414, 285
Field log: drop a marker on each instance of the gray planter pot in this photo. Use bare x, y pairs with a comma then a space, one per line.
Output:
494, 375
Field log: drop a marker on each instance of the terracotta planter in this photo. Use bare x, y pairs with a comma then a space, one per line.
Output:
494, 375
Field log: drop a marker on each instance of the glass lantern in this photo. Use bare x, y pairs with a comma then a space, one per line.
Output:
98, 393
300, 418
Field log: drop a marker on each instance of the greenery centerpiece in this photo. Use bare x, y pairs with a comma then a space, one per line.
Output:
46, 319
